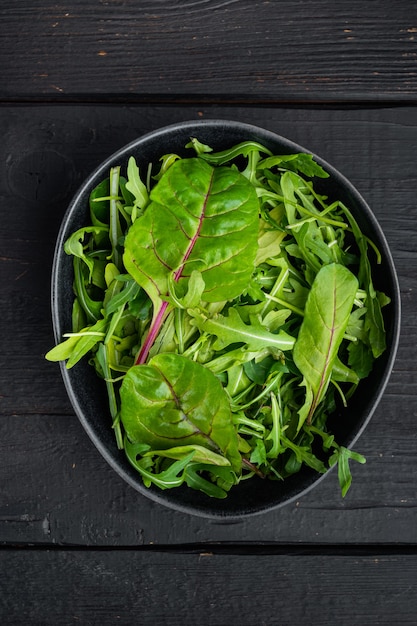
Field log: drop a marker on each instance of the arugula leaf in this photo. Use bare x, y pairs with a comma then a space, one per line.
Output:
245, 148
303, 163
74, 244
374, 322
232, 329
342, 456
78, 344
201, 454
136, 187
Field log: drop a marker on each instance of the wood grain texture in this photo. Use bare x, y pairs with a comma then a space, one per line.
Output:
55, 488
119, 587
246, 50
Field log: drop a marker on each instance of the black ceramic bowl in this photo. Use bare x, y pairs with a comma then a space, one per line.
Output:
86, 391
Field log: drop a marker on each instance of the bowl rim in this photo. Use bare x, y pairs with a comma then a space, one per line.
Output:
90, 181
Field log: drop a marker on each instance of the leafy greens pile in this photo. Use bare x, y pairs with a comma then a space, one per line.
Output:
229, 309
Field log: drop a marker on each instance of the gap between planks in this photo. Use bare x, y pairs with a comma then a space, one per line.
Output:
379, 101
233, 548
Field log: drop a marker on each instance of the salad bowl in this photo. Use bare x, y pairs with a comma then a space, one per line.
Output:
87, 392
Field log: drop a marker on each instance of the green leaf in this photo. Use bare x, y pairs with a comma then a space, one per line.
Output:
74, 244
270, 238
174, 401
374, 322
342, 456
63, 350
343, 374
78, 317
303, 163
326, 316
224, 156
258, 455
135, 185
192, 297
170, 478
303, 454
360, 358
99, 204
232, 329
195, 480
200, 454
199, 219
129, 292
78, 344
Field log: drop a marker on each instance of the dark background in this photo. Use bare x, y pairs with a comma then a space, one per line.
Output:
78, 81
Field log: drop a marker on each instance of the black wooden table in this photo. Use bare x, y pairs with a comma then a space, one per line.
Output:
79, 80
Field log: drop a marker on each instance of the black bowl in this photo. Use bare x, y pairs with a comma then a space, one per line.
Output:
86, 391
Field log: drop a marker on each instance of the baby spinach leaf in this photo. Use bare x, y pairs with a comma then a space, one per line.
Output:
326, 316
173, 401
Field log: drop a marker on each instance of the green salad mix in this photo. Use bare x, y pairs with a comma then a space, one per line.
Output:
230, 309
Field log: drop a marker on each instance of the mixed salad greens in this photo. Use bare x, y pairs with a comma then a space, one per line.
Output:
229, 308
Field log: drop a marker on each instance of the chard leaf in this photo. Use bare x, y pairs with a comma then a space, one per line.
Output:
200, 218
326, 316
232, 329
172, 402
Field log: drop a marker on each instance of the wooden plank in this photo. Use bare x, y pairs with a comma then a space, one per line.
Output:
67, 587
247, 51
55, 486
57, 489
